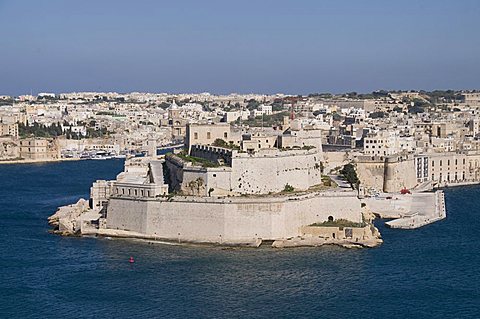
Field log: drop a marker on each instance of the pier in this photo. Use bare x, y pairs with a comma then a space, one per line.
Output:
422, 213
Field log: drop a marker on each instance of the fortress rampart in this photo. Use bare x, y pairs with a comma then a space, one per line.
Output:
229, 220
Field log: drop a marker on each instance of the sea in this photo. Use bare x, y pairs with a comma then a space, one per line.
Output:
431, 272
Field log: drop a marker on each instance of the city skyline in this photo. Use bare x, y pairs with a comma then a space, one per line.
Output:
268, 47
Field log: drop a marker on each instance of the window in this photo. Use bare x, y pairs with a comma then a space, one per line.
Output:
195, 136
209, 135
225, 135
440, 162
214, 175
433, 163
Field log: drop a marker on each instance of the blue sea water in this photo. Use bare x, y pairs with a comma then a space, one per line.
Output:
432, 272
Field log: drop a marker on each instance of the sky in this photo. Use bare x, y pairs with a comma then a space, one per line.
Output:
248, 46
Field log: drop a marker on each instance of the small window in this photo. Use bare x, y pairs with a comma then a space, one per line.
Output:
225, 135
195, 136
209, 136
214, 175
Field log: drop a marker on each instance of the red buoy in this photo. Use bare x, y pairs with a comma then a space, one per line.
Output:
131, 260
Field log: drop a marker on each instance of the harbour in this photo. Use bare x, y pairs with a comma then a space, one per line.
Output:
42, 274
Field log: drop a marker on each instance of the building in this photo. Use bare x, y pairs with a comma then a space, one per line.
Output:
9, 129
39, 149
472, 99
206, 134
384, 143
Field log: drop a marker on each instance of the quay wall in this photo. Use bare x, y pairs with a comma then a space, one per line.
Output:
229, 220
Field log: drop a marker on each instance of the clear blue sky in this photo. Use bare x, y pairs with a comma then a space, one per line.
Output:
297, 46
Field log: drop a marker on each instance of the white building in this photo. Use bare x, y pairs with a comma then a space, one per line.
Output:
384, 143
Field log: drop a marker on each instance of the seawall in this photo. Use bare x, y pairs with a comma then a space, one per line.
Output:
229, 220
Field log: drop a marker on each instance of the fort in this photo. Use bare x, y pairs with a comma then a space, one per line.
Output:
256, 187
247, 188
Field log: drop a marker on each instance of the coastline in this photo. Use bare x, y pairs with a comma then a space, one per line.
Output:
29, 161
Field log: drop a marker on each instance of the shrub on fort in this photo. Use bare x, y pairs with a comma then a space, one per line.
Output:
326, 180
307, 147
339, 223
197, 160
222, 143
288, 188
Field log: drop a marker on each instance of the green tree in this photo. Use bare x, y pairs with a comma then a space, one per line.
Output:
348, 171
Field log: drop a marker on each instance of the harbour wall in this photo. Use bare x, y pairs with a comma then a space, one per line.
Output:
229, 220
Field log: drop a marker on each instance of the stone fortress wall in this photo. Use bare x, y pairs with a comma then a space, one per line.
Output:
229, 220
270, 171
260, 173
387, 173
392, 173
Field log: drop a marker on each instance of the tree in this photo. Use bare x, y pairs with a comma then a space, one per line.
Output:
348, 171
220, 143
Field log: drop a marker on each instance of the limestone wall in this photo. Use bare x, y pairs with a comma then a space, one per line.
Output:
234, 220
371, 174
128, 214
260, 173
270, 173
174, 173
387, 174
399, 173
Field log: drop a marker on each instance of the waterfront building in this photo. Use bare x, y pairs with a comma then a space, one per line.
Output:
39, 149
